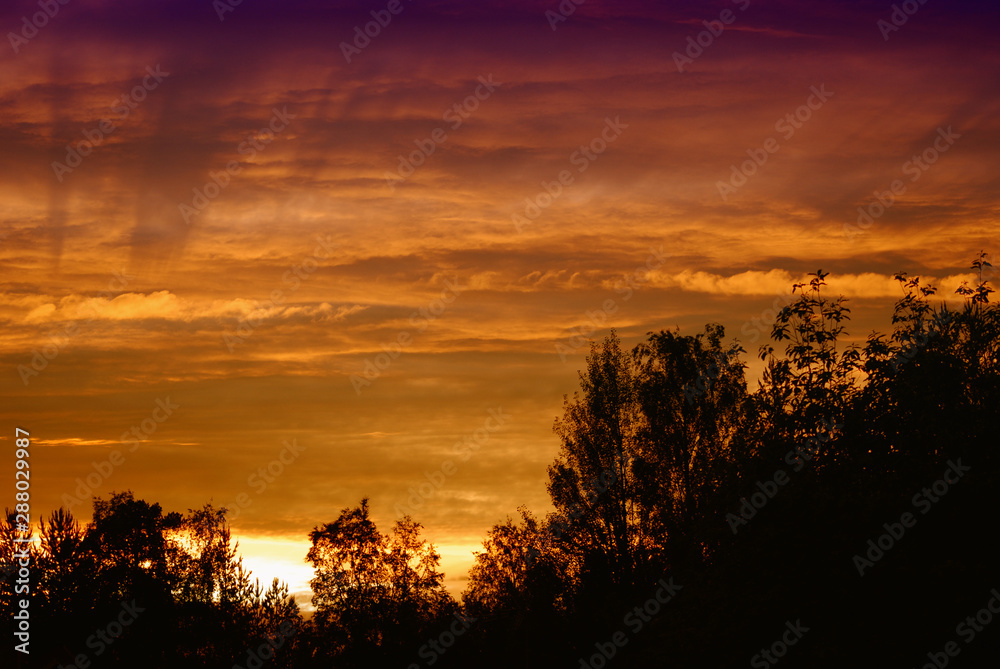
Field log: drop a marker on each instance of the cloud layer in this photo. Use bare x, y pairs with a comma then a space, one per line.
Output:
226, 212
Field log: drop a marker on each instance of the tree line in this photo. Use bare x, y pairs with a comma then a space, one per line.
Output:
697, 522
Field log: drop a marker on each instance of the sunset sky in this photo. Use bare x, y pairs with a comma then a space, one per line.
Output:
404, 249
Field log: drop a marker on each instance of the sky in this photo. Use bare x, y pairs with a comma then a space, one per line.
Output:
253, 256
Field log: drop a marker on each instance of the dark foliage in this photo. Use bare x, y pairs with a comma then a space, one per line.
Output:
766, 507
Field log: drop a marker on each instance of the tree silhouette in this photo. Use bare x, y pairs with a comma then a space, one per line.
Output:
521, 586
692, 393
809, 389
66, 567
189, 600
840, 438
126, 536
659, 449
375, 595
223, 614
592, 482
